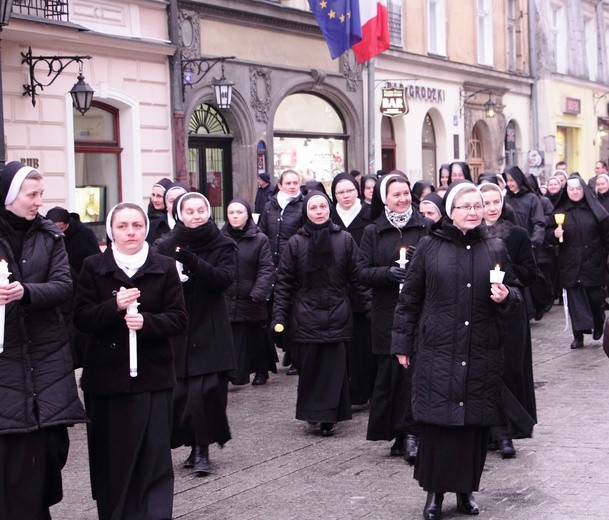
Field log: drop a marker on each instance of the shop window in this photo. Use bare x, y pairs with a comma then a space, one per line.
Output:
428, 140
436, 27
388, 145
97, 157
310, 138
261, 157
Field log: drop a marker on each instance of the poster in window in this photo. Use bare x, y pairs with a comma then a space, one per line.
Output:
91, 203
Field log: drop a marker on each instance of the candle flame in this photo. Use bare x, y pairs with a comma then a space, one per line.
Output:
497, 268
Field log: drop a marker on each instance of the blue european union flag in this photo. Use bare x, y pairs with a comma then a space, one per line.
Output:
339, 21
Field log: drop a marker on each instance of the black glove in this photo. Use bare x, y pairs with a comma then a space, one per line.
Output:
188, 259
396, 274
410, 252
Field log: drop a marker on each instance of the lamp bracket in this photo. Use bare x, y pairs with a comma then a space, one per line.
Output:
202, 67
466, 95
55, 65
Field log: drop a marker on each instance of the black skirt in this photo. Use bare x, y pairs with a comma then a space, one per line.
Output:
199, 411
254, 350
130, 455
360, 360
451, 459
323, 386
30, 472
390, 405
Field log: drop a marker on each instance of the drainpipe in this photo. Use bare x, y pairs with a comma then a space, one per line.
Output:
371, 115
534, 74
177, 103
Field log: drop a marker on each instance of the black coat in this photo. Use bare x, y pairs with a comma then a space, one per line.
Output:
446, 319
80, 242
37, 385
278, 226
529, 214
379, 249
262, 197
106, 360
314, 312
246, 299
206, 345
357, 226
159, 227
582, 256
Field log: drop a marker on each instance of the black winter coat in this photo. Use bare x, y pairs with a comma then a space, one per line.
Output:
106, 360
280, 227
379, 249
37, 385
262, 197
316, 313
80, 242
446, 319
206, 345
529, 214
582, 256
246, 299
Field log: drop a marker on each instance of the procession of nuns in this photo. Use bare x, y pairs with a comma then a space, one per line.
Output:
410, 302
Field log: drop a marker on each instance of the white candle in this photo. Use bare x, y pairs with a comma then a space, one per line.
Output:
497, 275
402, 261
4, 274
132, 309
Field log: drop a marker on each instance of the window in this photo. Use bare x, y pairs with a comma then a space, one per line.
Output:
591, 47
394, 13
512, 35
559, 36
485, 32
436, 27
428, 139
97, 154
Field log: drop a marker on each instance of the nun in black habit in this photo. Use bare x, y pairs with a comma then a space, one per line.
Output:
582, 258
312, 303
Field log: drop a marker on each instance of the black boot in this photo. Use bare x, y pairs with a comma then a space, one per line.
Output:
260, 378
578, 340
412, 448
190, 461
433, 506
506, 448
202, 464
466, 504
326, 429
397, 450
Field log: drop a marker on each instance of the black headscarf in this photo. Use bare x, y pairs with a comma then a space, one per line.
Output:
464, 167
343, 177
420, 186
519, 177
238, 233
363, 183
377, 206
589, 200
445, 166
319, 255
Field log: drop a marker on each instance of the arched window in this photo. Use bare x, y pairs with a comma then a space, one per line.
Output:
428, 140
388, 144
98, 165
474, 153
309, 137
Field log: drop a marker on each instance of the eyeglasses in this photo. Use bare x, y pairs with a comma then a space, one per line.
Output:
346, 192
467, 209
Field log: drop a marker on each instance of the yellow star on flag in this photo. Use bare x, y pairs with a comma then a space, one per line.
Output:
323, 4
342, 18
332, 14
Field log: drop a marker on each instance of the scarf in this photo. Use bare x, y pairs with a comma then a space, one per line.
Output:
283, 199
130, 264
398, 220
171, 221
319, 253
14, 229
348, 215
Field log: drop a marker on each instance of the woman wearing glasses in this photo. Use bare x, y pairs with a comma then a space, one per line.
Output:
447, 319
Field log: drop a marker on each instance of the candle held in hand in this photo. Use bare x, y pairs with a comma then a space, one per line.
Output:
132, 309
4, 274
497, 274
559, 218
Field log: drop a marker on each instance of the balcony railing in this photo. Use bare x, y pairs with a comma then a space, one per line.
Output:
48, 9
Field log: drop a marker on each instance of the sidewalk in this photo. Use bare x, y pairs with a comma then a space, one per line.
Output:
277, 467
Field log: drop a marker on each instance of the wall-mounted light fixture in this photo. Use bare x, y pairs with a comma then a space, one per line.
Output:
223, 88
81, 92
489, 106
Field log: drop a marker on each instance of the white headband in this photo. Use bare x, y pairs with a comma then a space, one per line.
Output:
452, 193
109, 222
493, 186
16, 183
383, 186
192, 195
574, 183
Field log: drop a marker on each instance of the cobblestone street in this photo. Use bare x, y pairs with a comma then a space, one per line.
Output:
276, 467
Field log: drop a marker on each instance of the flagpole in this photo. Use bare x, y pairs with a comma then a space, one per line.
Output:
371, 116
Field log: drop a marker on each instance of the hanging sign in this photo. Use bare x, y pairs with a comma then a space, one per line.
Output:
393, 102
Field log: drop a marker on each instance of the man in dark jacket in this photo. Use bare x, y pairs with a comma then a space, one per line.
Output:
265, 190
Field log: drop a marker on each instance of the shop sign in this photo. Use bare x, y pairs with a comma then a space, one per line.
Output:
393, 101
572, 106
437, 95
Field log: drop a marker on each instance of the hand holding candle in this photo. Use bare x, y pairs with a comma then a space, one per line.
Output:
559, 218
402, 261
497, 274
4, 274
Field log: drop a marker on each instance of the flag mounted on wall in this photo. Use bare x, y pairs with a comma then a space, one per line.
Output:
362, 25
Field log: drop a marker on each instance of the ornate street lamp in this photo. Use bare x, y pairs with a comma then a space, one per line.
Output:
223, 88
82, 94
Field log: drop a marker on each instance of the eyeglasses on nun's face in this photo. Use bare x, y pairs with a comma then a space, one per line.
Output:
467, 208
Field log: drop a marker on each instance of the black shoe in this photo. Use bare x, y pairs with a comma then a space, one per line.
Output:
506, 448
190, 461
412, 448
292, 371
202, 464
466, 504
433, 506
326, 429
492, 446
260, 378
539, 314
598, 333
578, 342
397, 450
287, 359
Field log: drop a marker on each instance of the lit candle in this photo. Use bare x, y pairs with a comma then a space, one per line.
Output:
132, 309
402, 261
497, 274
4, 274
559, 218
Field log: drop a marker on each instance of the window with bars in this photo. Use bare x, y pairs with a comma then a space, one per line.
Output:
394, 12
49, 9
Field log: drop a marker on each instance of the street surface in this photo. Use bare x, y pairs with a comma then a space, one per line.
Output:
277, 467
